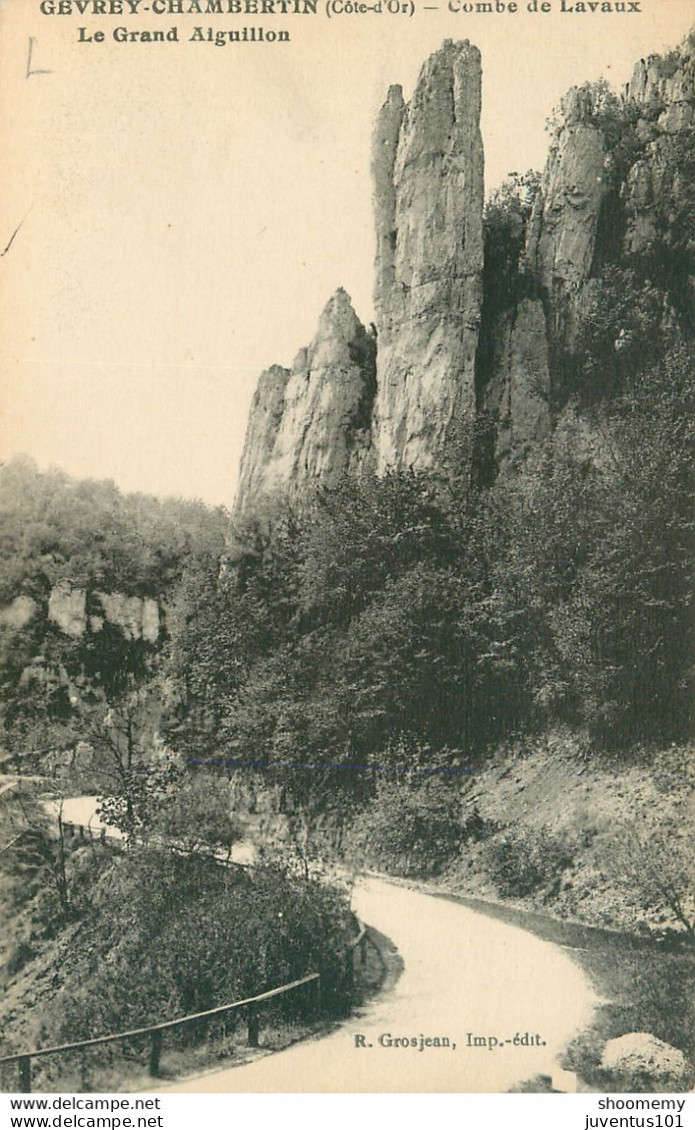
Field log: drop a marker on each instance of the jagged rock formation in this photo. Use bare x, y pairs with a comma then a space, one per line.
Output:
137, 617
517, 396
556, 261
313, 421
384, 148
321, 417
265, 418
67, 608
17, 615
610, 244
587, 166
74, 611
668, 85
664, 90
564, 225
603, 270
428, 174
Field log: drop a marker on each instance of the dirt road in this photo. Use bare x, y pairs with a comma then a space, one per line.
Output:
467, 978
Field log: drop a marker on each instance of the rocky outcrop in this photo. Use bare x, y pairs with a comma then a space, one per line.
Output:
67, 608
343, 407
18, 614
313, 422
517, 397
616, 203
563, 228
575, 294
265, 417
428, 176
137, 617
640, 1058
641, 192
384, 148
654, 190
564, 225
666, 86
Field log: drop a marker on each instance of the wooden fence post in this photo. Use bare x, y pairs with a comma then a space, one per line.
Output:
350, 968
155, 1053
318, 996
25, 1075
252, 1006
253, 1026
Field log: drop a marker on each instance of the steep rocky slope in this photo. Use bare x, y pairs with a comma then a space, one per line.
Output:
578, 811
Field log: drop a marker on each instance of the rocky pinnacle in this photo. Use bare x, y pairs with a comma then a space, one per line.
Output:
312, 422
427, 167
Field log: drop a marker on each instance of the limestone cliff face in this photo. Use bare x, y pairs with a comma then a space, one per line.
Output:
136, 617
667, 84
655, 187
67, 608
517, 397
265, 417
313, 422
17, 615
343, 406
428, 178
556, 263
384, 149
512, 340
564, 225
617, 202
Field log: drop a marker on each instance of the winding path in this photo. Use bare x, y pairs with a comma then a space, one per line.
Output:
464, 973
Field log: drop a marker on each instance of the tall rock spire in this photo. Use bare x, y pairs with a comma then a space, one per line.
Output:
428, 199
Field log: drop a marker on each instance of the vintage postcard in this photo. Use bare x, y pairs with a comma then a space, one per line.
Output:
346, 643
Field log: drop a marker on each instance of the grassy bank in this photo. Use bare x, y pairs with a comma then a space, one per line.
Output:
148, 936
574, 845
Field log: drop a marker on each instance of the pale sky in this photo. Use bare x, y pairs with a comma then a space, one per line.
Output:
187, 210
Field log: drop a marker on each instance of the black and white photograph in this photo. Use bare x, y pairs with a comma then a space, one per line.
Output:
347, 481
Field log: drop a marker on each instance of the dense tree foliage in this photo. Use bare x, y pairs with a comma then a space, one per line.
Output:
92, 538
600, 571
396, 622
55, 527
154, 934
376, 626
233, 934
